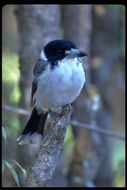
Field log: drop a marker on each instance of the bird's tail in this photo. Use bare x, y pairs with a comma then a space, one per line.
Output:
34, 128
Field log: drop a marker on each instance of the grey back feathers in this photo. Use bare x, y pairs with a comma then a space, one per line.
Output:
39, 68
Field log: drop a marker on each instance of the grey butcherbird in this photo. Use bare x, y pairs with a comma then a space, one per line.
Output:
58, 80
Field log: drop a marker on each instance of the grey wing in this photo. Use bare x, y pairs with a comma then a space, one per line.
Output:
39, 68
33, 92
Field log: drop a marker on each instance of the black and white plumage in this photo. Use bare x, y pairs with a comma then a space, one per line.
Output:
58, 80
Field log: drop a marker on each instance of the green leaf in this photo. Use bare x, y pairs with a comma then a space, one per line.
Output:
22, 169
4, 135
12, 171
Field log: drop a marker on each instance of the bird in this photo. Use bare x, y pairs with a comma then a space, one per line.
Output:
58, 78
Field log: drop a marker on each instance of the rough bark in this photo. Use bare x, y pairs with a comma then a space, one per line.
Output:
37, 25
51, 146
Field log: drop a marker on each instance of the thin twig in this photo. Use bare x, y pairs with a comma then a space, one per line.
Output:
16, 110
98, 129
73, 122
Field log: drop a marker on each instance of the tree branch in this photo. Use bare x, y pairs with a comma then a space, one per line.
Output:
51, 146
15, 110
73, 122
98, 129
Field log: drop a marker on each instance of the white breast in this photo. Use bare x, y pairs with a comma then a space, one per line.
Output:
60, 86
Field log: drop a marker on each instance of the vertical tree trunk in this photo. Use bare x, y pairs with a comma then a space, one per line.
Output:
93, 147
37, 25
104, 56
77, 27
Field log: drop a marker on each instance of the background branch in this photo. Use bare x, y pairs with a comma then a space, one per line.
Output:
98, 129
16, 110
91, 127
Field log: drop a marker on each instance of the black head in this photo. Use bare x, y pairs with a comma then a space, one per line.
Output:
59, 49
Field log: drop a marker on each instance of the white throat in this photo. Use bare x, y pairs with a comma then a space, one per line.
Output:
43, 56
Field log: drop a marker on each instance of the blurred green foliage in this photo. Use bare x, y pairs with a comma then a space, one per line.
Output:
10, 89
118, 163
67, 153
10, 74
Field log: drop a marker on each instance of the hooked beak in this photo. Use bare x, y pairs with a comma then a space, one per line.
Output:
75, 53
